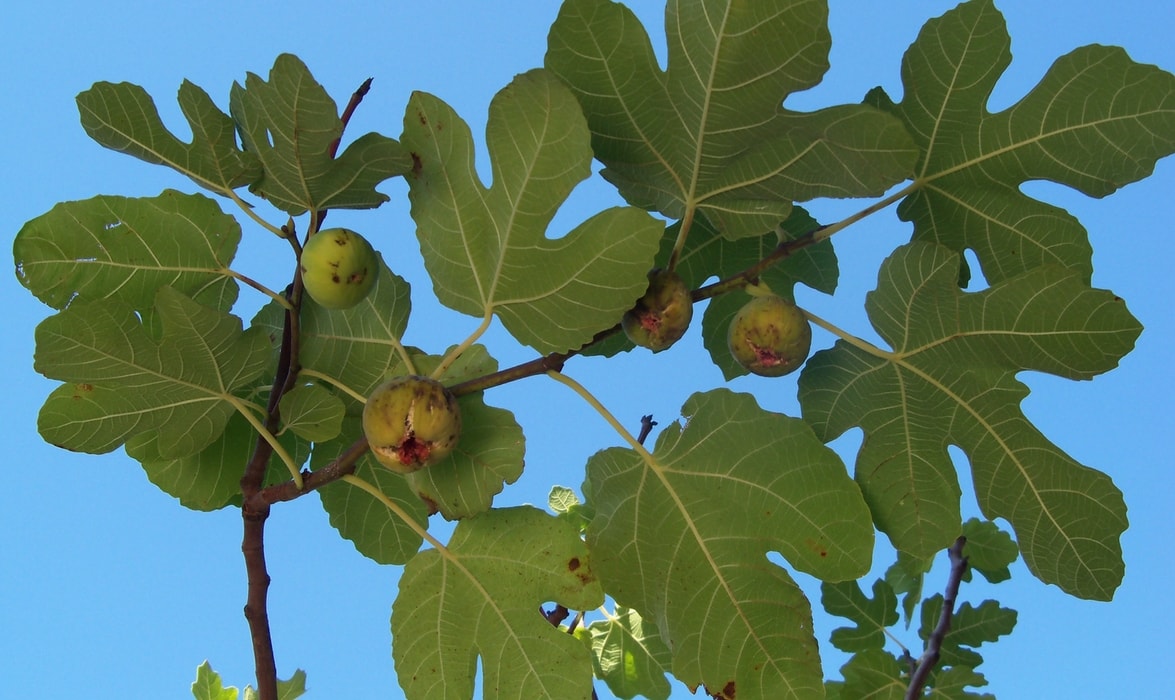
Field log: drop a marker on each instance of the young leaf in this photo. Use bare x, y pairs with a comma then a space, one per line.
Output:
950, 379
629, 656
682, 537
312, 412
481, 596
1095, 122
126, 248
872, 615
123, 117
290, 123
709, 134
970, 627
121, 382
376, 532
873, 674
208, 685
952, 683
485, 248
989, 550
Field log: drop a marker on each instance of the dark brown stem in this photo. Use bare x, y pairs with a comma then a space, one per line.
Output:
356, 98
933, 651
647, 424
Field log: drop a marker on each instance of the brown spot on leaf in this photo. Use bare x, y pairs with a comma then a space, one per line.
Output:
573, 564
416, 164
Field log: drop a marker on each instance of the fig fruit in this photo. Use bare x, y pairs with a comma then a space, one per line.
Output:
770, 336
662, 315
339, 268
411, 423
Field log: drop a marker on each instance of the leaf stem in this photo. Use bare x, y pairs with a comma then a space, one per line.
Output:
248, 209
270, 438
604, 413
279, 298
859, 343
454, 354
314, 374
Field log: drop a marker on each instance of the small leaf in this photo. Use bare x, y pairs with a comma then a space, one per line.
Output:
208, 685
873, 674
872, 615
485, 249
629, 656
312, 412
682, 537
127, 248
123, 117
290, 123
970, 627
989, 550
121, 382
1096, 121
952, 683
950, 379
709, 133
481, 597
906, 576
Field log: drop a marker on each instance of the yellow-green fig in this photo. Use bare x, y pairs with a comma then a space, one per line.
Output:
411, 423
662, 315
339, 267
770, 336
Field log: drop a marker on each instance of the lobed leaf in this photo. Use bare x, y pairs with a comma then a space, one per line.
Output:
485, 248
1095, 122
126, 248
970, 627
682, 536
312, 412
480, 597
290, 123
950, 379
989, 550
871, 615
123, 117
708, 134
121, 382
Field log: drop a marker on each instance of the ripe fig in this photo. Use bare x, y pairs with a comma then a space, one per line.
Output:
411, 423
339, 268
662, 315
770, 336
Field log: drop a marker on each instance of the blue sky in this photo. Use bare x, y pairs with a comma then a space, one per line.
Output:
108, 587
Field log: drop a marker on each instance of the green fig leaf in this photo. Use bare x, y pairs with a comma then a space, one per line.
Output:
951, 379
312, 412
871, 615
682, 535
123, 117
1096, 121
629, 656
126, 248
989, 550
211, 479
481, 596
291, 124
873, 674
485, 249
208, 686
376, 531
708, 135
971, 627
121, 382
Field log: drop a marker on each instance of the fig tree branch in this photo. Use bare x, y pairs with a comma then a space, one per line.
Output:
930, 656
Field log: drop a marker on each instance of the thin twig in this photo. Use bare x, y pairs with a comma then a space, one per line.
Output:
647, 424
933, 651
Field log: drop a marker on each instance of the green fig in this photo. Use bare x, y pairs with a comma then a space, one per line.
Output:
411, 423
339, 267
770, 336
662, 315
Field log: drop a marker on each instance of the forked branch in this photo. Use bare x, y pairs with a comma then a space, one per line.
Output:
933, 650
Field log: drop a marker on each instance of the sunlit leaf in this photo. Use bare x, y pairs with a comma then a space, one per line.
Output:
126, 248
950, 379
709, 134
121, 382
629, 656
312, 412
123, 117
682, 536
1095, 122
290, 122
480, 598
486, 249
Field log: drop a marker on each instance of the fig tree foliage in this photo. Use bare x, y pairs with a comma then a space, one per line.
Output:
659, 566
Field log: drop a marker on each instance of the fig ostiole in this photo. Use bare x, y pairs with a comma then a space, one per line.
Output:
662, 315
770, 336
339, 268
411, 423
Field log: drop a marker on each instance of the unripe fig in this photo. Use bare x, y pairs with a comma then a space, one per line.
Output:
339, 268
411, 423
770, 336
662, 315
